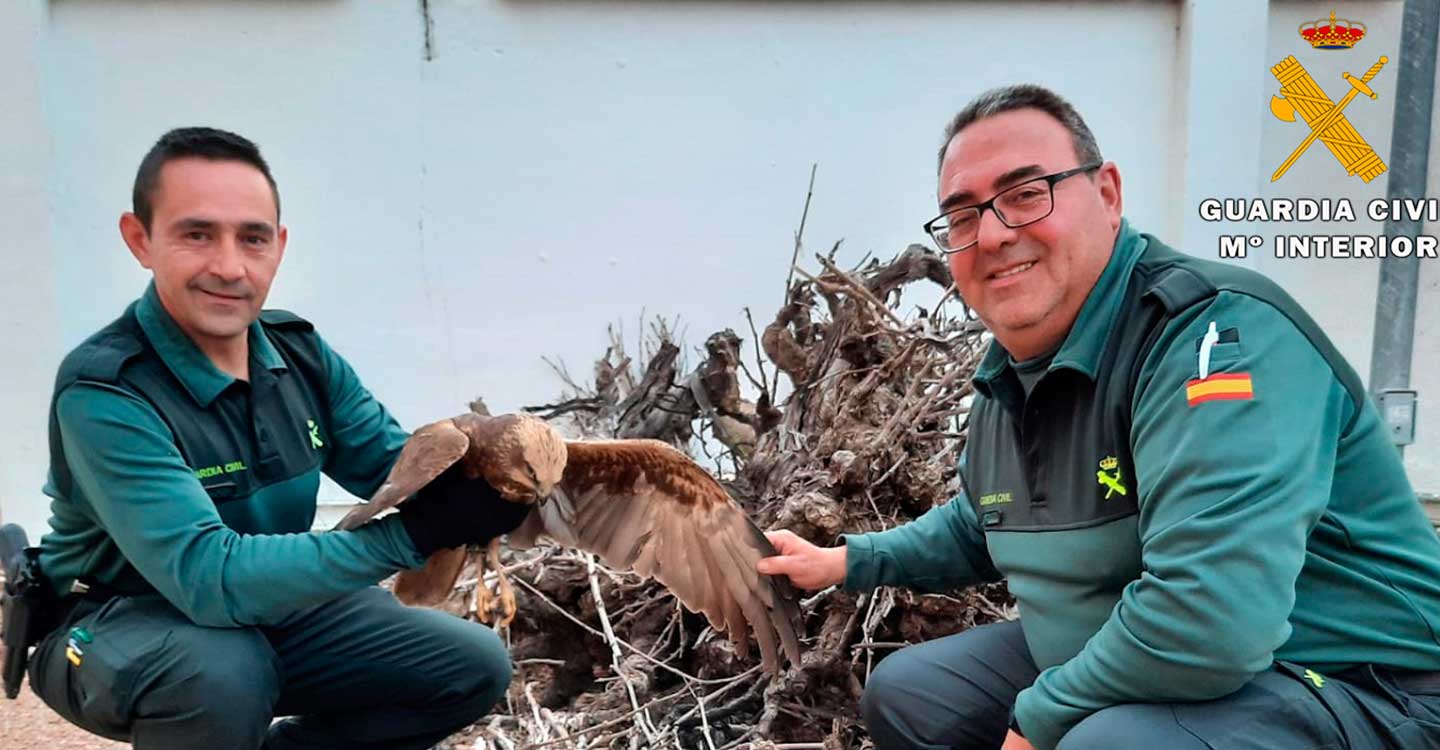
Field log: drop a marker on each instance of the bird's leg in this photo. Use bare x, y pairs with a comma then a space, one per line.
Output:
484, 600
506, 598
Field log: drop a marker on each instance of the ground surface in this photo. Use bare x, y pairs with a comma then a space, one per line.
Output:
27, 723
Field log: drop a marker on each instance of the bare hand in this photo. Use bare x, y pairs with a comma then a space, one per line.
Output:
1016, 742
808, 566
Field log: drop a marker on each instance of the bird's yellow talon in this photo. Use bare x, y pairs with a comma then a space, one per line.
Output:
483, 604
504, 600
507, 606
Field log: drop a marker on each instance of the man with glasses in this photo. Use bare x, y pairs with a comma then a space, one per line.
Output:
1210, 538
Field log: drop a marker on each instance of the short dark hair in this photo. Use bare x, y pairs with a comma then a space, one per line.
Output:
1025, 96
205, 143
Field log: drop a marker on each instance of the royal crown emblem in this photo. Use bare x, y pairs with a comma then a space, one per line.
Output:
1109, 463
1337, 33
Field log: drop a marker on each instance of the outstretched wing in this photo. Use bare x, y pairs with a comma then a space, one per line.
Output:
642, 505
429, 452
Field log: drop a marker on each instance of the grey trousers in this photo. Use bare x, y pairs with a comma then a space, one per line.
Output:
957, 693
362, 671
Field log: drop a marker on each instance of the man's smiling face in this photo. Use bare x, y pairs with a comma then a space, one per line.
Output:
214, 244
1029, 283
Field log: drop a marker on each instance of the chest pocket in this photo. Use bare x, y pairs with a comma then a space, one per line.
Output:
1070, 471
1223, 353
222, 464
221, 491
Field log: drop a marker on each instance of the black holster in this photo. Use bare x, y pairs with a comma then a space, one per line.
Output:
28, 604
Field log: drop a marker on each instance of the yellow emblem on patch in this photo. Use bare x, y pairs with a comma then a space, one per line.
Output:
1111, 477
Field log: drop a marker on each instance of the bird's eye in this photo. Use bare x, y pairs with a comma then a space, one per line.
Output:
531, 471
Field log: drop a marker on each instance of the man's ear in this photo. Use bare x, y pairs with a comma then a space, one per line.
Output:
136, 237
282, 237
1108, 180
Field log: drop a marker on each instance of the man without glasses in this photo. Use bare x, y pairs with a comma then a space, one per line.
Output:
187, 439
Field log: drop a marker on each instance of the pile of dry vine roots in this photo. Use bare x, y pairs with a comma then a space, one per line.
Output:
866, 438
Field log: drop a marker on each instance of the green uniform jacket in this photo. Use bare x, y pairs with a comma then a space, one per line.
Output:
1228, 533
167, 474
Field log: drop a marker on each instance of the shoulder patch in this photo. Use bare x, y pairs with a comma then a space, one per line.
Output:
101, 358
284, 319
1178, 288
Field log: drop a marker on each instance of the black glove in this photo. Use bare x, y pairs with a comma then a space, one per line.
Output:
454, 510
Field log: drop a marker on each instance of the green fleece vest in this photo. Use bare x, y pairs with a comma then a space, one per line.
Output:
235, 450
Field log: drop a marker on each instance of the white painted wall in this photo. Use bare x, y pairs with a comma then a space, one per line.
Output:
561, 166
1223, 56
1423, 459
30, 340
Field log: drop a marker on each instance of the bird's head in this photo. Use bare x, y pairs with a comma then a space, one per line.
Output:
527, 458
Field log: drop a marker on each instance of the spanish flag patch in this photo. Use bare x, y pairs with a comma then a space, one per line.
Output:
1223, 386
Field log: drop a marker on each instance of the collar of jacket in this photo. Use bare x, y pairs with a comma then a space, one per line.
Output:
1086, 340
201, 378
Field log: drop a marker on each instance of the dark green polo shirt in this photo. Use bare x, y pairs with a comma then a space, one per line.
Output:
168, 474
1274, 525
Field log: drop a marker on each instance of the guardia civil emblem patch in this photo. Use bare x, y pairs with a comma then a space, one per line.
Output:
1111, 477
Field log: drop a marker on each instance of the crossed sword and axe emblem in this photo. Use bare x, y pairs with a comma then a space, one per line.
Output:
1299, 92
1111, 482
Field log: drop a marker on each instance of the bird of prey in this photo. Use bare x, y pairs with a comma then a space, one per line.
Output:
639, 504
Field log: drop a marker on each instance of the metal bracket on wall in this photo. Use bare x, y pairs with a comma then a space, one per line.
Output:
1397, 408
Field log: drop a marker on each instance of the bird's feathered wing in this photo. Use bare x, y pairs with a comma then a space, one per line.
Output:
427, 454
644, 506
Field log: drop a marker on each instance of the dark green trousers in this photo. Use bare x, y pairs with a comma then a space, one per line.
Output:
362, 671
957, 693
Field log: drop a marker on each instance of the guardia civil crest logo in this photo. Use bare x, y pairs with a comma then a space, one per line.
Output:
1111, 477
1324, 118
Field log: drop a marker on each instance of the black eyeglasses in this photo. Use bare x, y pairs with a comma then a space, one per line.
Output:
958, 229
